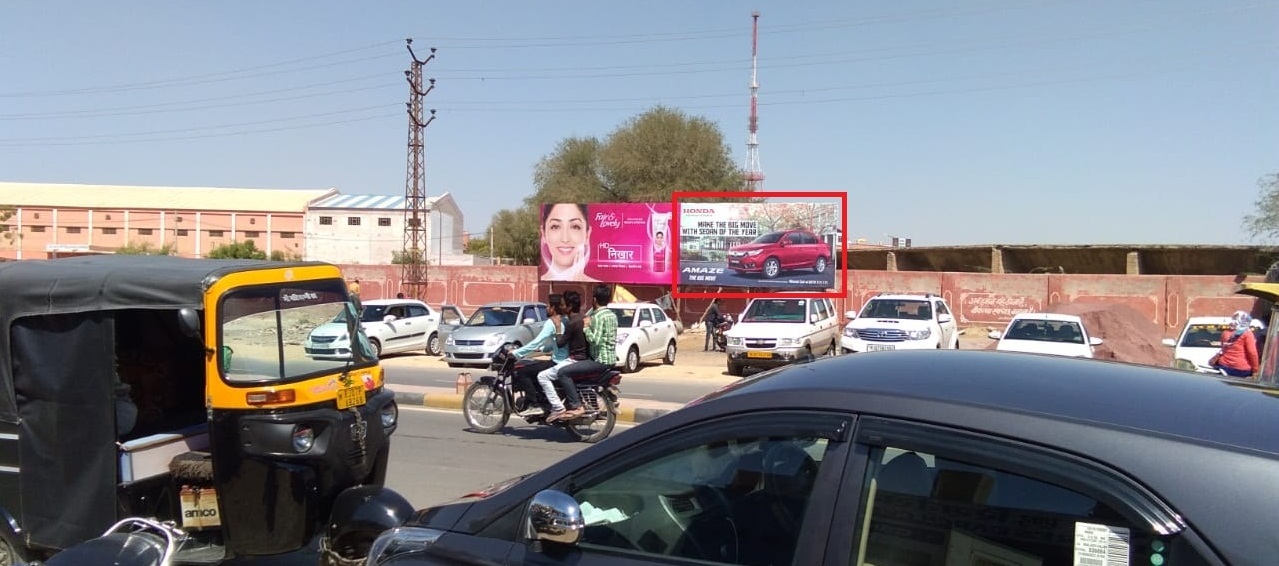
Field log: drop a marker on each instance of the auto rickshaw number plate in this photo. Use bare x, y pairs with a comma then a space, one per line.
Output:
352, 396
199, 508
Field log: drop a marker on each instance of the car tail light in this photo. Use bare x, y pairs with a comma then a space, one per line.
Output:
270, 397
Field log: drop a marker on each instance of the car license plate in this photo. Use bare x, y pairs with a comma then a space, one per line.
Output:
878, 347
764, 355
200, 508
352, 396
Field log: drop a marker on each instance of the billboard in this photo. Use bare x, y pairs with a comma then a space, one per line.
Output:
778, 245
612, 242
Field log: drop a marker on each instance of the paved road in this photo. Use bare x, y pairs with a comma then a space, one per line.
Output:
435, 460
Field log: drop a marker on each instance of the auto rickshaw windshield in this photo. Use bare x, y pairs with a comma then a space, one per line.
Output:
264, 331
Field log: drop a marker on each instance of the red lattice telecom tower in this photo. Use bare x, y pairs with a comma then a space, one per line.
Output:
754, 175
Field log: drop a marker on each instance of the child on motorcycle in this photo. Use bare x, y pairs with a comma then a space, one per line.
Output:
526, 377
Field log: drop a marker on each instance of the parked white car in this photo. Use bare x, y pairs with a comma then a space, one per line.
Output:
1046, 333
392, 325
1200, 340
644, 333
775, 332
900, 322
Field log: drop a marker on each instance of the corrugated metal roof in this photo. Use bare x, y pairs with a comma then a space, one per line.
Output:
367, 202
58, 195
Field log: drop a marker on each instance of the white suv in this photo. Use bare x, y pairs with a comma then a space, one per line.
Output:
900, 322
775, 332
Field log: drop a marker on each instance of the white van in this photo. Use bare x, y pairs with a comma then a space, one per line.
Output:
778, 331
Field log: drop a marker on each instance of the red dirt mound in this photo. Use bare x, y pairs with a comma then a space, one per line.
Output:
1127, 335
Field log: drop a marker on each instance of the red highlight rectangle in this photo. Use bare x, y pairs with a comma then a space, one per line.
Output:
843, 263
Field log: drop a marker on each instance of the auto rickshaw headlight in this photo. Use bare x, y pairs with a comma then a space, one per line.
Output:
390, 414
303, 438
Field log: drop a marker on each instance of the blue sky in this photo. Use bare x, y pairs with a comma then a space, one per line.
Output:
985, 121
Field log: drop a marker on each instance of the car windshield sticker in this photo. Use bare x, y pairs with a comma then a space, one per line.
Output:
1101, 545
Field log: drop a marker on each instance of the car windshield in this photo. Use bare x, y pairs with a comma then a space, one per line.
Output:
769, 238
494, 316
776, 310
1203, 336
911, 309
625, 317
1066, 332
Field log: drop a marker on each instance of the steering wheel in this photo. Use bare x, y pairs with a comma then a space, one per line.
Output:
712, 534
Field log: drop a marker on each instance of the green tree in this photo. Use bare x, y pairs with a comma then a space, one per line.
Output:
145, 248
478, 246
280, 255
1263, 222
400, 257
237, 250
658, 152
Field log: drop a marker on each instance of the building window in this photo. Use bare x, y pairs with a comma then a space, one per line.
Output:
253, 234
144, 231
37, 228
384, 221
286, 235
181, 232
353, 221
73, 229
215, 233
326, 221
108, 231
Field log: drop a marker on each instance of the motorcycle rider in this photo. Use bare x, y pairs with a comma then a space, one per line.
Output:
526, 377
601, 331
572, 337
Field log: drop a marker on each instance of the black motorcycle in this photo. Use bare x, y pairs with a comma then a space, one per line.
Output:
131, 542
489, 402
725, 323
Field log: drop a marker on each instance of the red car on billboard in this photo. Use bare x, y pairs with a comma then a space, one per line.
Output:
774, 252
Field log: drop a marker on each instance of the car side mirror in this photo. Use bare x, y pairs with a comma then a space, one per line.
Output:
812, 317
530, 320
944, 318
1094, 341
993, 335
388, 318
645, 323
189, 322
554, 516
1169, 342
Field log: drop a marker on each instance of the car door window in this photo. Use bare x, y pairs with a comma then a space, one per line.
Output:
928, 507
658, 315
451, 316
941, 308
418, 311
542, 313
645, 315
735, 500
822, 312
794, 238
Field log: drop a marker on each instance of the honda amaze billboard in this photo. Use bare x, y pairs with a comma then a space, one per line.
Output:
786, 245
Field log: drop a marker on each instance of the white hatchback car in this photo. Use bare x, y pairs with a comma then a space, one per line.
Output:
644, 333
1046, 333
392, 325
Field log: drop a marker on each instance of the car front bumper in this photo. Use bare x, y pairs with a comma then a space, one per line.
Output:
850, 344
764, 358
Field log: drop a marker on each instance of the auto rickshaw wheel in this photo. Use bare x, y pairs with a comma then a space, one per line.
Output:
9, 553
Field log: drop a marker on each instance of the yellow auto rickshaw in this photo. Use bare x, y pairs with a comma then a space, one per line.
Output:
187, 390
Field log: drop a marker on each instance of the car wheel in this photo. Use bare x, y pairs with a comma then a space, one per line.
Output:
670, 353
433, 345
772, 266
820, 266
632, 360
9, 553
377, 347
735, 369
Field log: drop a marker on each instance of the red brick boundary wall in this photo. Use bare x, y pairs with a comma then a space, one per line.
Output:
978, 299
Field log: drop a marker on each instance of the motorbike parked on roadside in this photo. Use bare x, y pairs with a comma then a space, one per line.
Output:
488, 402
725, 323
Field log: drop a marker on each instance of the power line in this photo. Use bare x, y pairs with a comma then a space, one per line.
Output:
81, 141
127, 110
212, 78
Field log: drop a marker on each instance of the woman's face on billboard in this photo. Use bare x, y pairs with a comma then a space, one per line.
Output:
564, 232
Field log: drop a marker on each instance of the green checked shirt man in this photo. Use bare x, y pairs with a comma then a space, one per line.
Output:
602, 335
